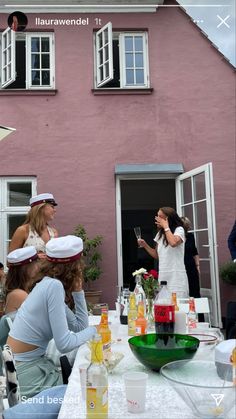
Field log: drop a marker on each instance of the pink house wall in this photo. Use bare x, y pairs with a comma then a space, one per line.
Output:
73, 140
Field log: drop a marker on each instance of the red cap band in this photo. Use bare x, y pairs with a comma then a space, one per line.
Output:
65, 260
24, 262
44, 201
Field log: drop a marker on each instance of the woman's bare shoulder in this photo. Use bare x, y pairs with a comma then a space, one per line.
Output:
19, 237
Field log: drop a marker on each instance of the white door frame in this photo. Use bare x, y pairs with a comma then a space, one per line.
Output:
214, 292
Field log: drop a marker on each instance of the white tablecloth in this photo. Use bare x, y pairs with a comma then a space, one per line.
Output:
162, 400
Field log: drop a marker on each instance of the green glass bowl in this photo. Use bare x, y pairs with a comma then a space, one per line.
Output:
155, 350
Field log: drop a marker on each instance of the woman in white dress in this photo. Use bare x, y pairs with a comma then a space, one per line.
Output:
36, 230
169, 250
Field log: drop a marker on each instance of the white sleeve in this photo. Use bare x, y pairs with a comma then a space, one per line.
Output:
179, 231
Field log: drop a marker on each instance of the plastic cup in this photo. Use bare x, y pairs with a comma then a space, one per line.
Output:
83, 376
135, 390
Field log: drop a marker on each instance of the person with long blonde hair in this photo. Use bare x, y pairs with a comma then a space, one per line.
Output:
36, 230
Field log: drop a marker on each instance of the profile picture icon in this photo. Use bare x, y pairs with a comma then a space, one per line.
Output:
17, 21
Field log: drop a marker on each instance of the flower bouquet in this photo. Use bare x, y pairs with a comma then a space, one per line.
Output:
150, 285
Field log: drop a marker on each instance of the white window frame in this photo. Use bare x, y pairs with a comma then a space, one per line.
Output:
107, 28
10, 62
121, 36
123, 81
28, 36
6, 210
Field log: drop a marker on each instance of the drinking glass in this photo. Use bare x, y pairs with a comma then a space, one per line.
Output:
137, 232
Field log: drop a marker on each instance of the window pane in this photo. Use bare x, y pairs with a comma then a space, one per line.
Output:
14, 221
45, 78
199, 186
106, 70
35, 78
101, 73
130, 76
129, 60
138, 42
100, 56
128, 43
35, 61
18, 194
4, 58
45, 61
106, 53
139, 76
187, 190
200, 211
138, 60
35, 44
45, 44
100, 40
105, 36
188, 212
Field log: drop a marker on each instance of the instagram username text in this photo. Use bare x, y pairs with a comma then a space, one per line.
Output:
66, 22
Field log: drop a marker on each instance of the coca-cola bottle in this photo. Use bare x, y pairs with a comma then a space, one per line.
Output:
164, 310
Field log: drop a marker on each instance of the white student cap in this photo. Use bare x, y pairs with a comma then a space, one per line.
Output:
22, 256
42, 198
64, 249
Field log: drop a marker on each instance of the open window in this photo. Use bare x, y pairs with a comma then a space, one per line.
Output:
121, 59
8, 73
27, 60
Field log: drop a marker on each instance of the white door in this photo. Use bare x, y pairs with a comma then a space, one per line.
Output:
195, 200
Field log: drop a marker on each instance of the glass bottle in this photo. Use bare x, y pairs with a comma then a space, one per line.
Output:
192, 315
139, 292
180, 317
97, 382
164, 312
124, 298
141, 321
105, 331
132, 315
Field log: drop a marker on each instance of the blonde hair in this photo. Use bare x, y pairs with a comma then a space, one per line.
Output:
35, 218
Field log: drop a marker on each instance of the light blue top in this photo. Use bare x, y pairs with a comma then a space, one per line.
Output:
44, 315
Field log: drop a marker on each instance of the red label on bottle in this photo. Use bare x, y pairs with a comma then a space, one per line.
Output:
165, 313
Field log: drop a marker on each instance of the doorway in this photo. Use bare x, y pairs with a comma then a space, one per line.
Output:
140, 191
140, 200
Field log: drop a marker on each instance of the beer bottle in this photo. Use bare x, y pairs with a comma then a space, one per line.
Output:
97, 383
132, 315
105, 332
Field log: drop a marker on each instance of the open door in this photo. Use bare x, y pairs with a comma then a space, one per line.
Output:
195, 200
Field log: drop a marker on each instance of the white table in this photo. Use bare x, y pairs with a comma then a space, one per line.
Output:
162, 400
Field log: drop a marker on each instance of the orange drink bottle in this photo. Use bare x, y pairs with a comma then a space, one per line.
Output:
105, 332
141, 321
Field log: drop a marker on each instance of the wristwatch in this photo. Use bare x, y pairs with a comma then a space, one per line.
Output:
166, 229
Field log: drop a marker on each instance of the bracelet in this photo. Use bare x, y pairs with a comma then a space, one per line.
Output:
166, 229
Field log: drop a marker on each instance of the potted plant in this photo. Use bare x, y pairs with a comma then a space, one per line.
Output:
92, 259
228, 272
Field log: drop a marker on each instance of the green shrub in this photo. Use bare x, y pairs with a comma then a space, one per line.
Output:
92, 256
228, 272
